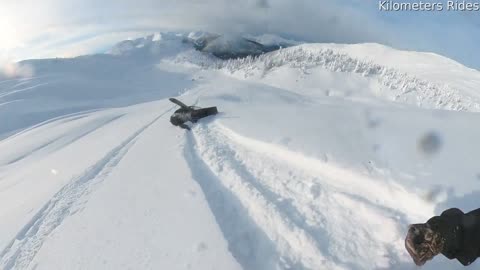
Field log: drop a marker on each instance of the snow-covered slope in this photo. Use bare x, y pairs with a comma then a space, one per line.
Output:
320, 158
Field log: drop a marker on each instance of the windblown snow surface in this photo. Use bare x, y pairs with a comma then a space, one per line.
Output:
320, 158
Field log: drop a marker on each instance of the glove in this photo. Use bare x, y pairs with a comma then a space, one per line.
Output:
423, 242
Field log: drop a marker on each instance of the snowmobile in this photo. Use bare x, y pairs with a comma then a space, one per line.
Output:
189, 114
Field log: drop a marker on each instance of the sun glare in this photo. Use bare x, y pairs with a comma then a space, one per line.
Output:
9, 36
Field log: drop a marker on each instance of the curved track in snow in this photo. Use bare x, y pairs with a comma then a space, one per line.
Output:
23, 248
293, 210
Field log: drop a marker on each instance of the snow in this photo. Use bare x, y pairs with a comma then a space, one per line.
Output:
320, 157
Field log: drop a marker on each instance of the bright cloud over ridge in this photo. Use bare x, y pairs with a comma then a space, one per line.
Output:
64, 28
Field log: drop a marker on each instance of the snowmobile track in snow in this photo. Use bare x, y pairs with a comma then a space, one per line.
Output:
286, 207
22, 250
63, 118
63, 140
244, 210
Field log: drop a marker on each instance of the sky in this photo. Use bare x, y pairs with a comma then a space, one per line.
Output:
67, 28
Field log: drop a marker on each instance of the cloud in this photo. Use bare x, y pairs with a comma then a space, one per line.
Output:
50, 28
50, 24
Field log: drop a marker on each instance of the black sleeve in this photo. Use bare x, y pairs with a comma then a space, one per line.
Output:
471, 238
447, 220
475, 213
448, 224
461, 233
452, 212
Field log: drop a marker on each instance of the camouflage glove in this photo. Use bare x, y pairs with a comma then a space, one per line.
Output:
423, 243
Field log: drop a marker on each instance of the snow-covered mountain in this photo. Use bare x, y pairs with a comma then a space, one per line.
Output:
320, 158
